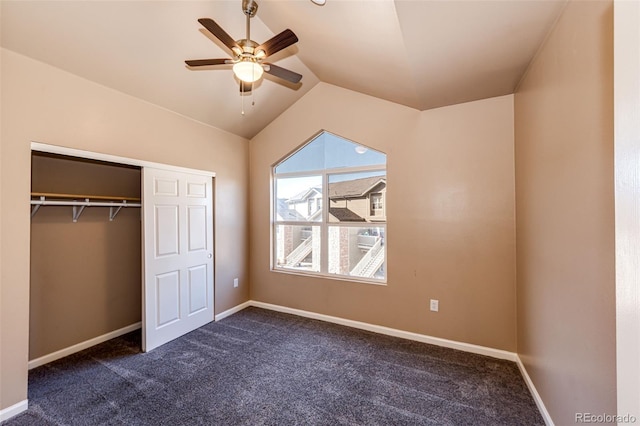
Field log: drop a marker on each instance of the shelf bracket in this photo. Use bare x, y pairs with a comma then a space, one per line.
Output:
77, 211
36, 207
113, 211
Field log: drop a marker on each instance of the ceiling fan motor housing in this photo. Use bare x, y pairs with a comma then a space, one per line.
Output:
248, 46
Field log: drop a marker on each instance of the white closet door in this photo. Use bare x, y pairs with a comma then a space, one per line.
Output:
178, 255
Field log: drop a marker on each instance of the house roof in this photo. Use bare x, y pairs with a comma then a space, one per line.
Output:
285, 213
343, 214
356, 187
301, 196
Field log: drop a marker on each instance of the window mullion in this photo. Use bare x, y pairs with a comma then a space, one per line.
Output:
324, 230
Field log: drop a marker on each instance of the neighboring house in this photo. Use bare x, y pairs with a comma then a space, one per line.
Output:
289, 237
286, 212
358, 200
308, 203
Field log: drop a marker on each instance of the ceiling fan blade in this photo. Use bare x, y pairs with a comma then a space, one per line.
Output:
220, 34
205, 62
283, 73
278, 42
245, 87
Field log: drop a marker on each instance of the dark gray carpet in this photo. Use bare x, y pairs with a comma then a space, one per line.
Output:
259, 367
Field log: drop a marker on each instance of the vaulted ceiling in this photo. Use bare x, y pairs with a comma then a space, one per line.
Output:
423, 54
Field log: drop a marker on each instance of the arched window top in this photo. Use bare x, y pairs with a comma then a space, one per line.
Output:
327, 152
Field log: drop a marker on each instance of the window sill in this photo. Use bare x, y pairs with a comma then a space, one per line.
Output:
329, 276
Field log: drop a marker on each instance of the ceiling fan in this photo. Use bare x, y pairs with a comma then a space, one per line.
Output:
247, 55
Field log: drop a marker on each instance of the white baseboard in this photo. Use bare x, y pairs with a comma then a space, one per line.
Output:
467, 347
233, 310
82, 345
534, 393
14, 410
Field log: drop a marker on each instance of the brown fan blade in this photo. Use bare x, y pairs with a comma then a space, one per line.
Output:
245, 87
283, 73
205, 62
220, 34
278, 42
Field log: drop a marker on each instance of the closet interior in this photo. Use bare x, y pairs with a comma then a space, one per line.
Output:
86, 253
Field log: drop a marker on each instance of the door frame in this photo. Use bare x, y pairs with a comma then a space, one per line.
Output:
626, 68
72, 152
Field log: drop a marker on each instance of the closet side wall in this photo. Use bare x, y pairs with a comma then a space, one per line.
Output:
565, 209
85, 276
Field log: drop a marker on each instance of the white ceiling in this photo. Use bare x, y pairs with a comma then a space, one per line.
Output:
423, 54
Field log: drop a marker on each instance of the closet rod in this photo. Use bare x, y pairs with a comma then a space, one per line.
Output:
82, 196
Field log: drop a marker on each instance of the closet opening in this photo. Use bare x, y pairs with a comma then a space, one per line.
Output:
86, 254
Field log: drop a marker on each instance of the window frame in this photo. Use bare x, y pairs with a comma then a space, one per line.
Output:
310, 206
376, 198
324, 222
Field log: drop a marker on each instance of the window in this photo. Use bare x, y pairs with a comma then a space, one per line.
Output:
329, 217
376, 204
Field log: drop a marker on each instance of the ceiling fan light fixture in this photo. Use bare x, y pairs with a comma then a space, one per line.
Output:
319, 2
248, 71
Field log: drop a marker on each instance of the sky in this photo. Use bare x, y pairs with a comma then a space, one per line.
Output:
326, 152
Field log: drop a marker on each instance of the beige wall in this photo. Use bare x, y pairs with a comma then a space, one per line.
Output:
85, 276
565, 216
450, 213
41, 103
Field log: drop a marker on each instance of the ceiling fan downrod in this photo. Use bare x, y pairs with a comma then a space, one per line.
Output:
249, 8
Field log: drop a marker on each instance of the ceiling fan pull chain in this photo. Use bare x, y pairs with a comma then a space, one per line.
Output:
253, 98
242, 97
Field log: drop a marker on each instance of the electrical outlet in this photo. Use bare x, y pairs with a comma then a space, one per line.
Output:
235, 282
434, 305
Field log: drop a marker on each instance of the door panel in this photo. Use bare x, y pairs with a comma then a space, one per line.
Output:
167, 230
197, 216
195, 189
178, 225
168, 295
165, 187
197, 288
